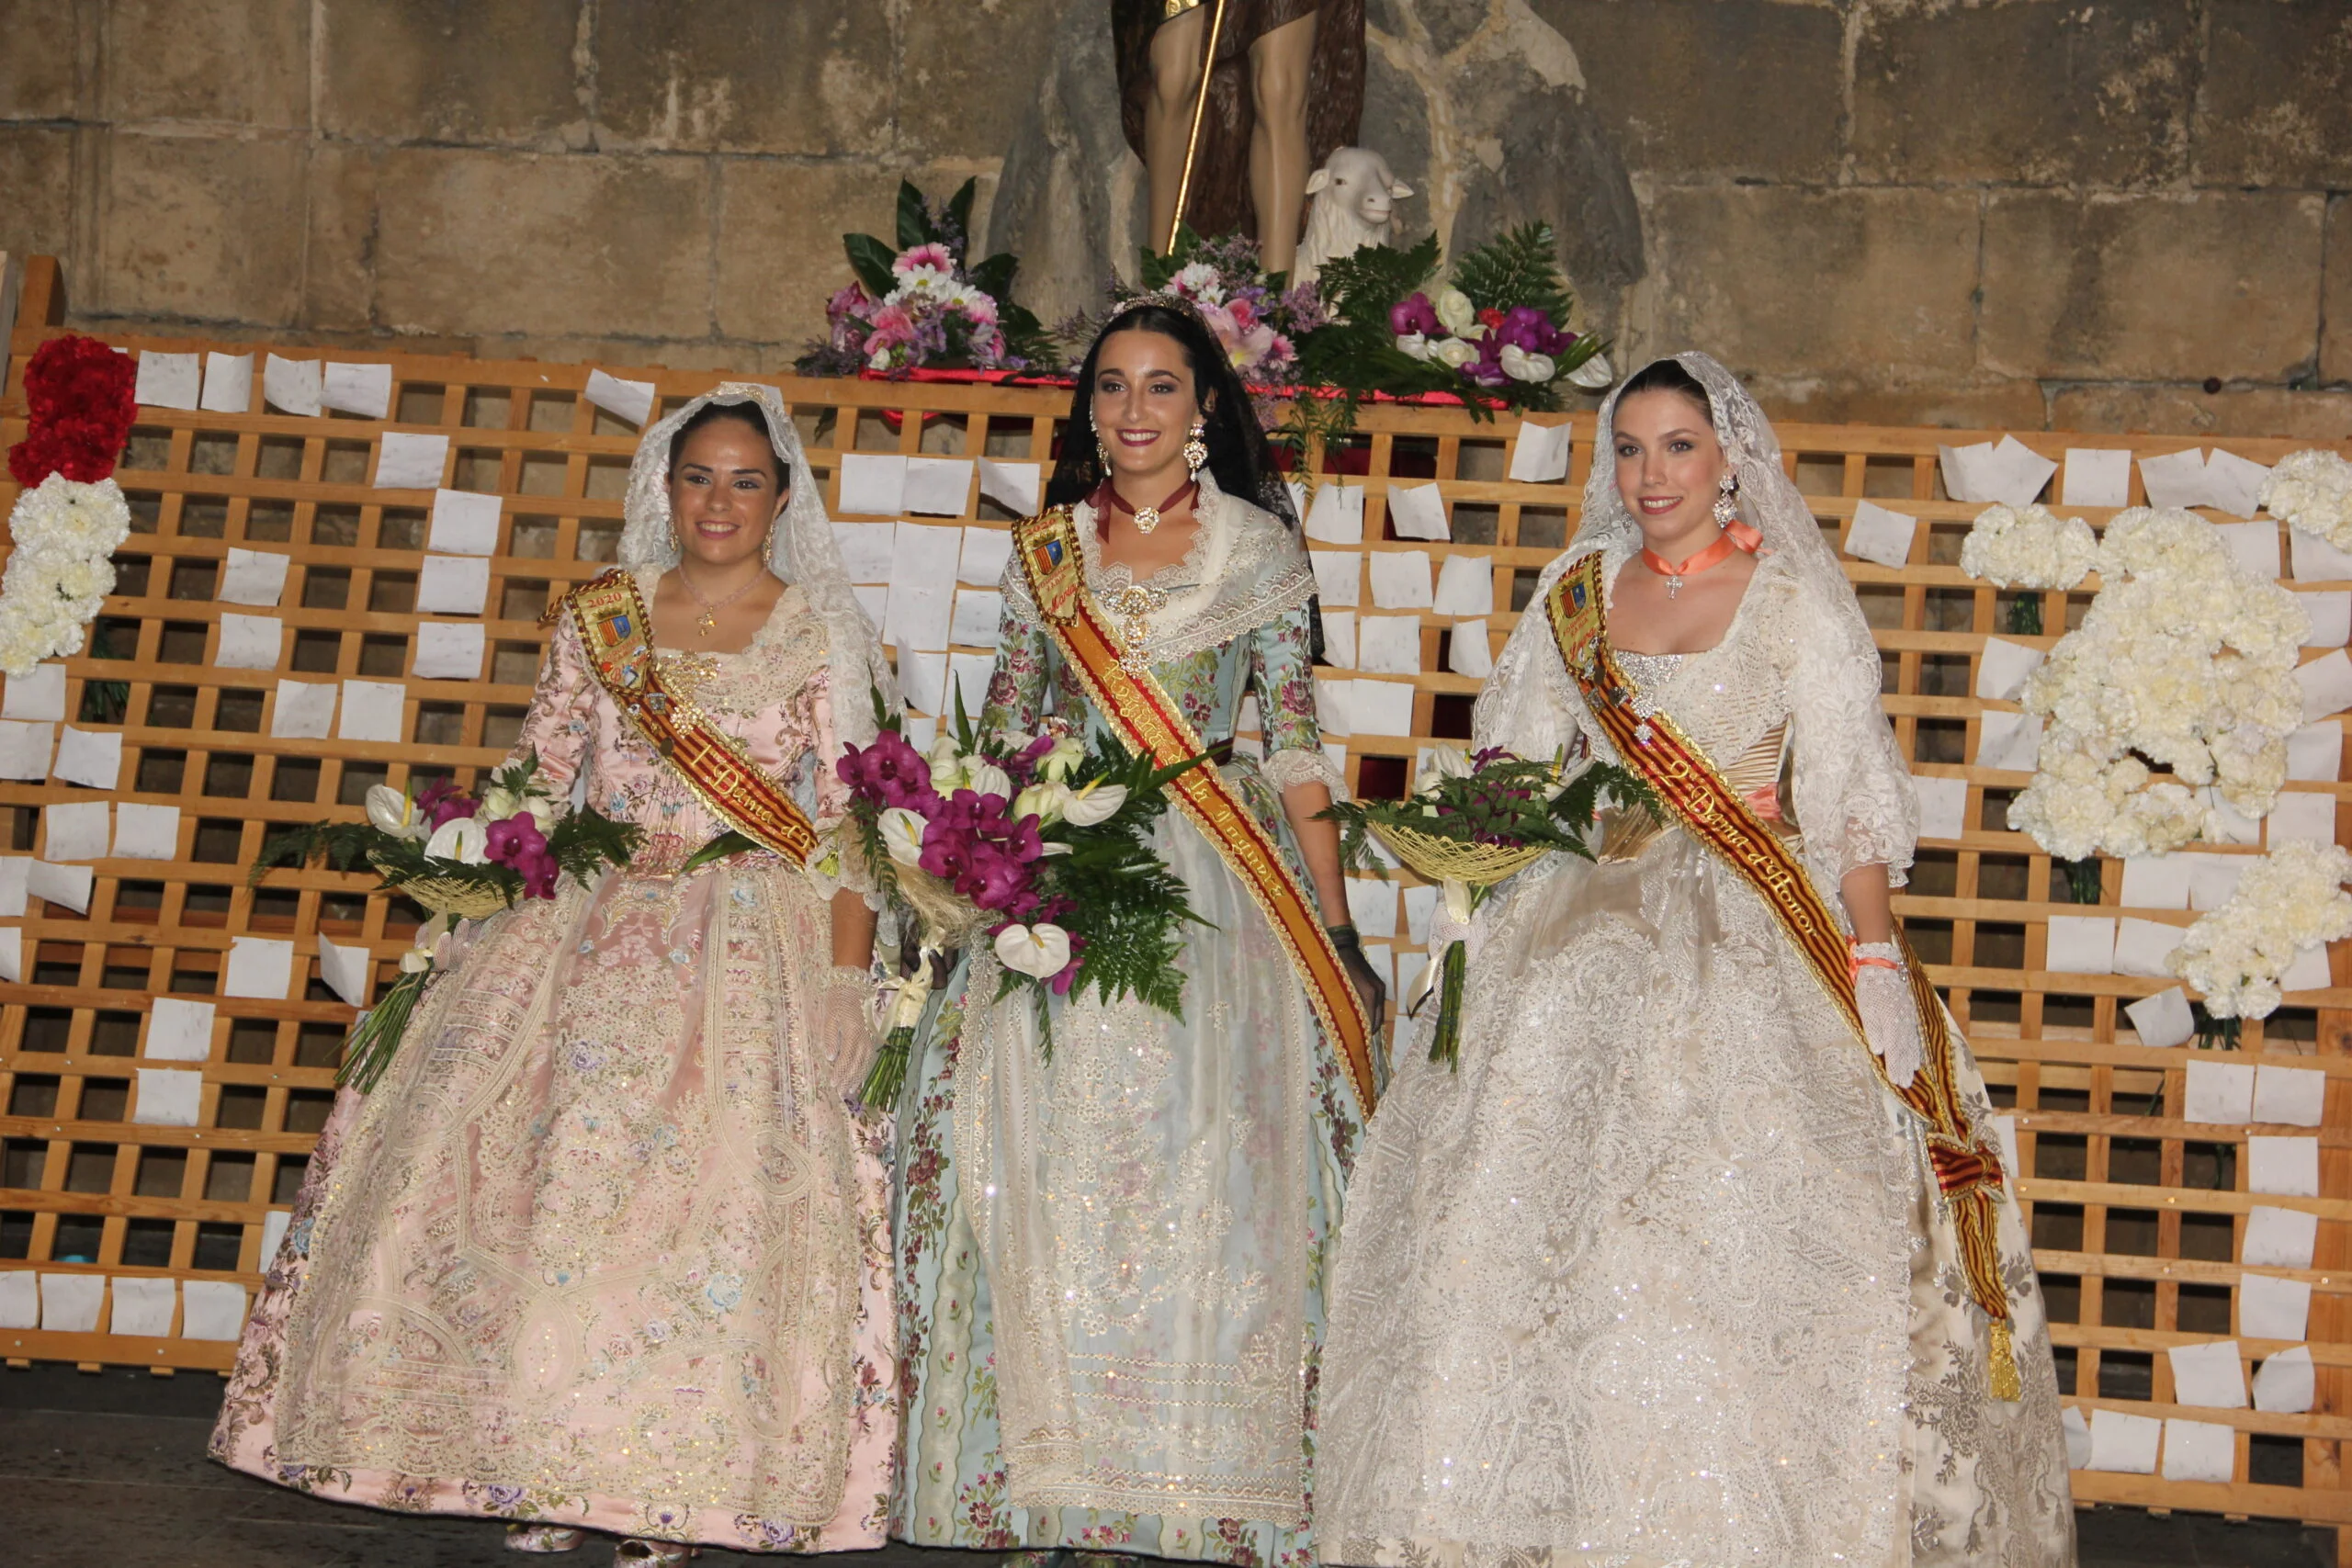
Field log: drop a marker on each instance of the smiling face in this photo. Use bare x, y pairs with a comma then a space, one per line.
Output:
1669, 467
1144, 408
724, 492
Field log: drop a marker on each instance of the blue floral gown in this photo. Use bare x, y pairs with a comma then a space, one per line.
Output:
1111, 1264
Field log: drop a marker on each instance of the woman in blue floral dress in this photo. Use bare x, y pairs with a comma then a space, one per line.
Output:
1111, 1261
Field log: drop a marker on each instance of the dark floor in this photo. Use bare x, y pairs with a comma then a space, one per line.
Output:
107, 1469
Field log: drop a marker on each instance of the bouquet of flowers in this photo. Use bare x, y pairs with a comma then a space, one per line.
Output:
1011, 844
1256, 315
71, 517
2290, 900
459, 856
1473, 821
1496, 336
917, 304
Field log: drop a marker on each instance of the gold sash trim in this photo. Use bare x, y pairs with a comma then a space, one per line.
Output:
618, 635
1149, 722
1967, 1166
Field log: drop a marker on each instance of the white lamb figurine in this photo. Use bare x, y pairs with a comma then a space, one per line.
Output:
1354, 206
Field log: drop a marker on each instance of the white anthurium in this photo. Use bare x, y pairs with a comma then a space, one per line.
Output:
986, 778
1041, 950
902, 834
1097, 803
1521, 365
1593, 374
1460, 316
462, 838
1048, 802
1414, 346
1453, 352
1062, 761
391, 811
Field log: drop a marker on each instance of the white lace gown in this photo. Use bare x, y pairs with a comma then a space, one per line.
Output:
1658, 1277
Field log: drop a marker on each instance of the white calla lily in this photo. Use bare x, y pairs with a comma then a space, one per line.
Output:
1444, 762
1041, 950
391, 811
1048, 802
1593, 374
986, 778
1414, 346
902, 834
465, 840
1097, 803
1521, 365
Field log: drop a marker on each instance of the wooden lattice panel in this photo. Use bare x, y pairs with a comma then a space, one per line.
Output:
2138, 1214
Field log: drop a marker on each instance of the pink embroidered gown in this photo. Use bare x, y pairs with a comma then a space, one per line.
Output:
606, 1247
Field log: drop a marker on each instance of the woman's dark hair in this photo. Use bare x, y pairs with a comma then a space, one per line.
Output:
741, 413
1239, 456
1668, 376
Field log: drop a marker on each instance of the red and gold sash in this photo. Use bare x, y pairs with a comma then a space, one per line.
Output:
618, 635
1148, 721
1967, 1168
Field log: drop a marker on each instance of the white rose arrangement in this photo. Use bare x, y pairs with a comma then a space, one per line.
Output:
2290, 899
2313, 490
2029, 548
2184, 660
61, 569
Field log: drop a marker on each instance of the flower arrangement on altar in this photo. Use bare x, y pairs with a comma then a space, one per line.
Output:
2184, 660
2290, 900
458, 857
918, 305
1495, 335
71, 516
1259, 317
1010, 843
2313, 490
1474, 820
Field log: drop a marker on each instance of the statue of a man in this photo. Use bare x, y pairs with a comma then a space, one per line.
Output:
1285, 86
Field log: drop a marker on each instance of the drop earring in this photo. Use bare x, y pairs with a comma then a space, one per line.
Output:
1102, 455
1196, 450
1726, 509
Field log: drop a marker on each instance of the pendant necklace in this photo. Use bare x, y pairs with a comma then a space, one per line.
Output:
1734, 537
707, 622
1147, 517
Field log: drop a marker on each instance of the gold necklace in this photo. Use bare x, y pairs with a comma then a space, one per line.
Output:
707, 622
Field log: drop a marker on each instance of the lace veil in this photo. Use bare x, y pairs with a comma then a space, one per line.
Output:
1847, 791
801, 550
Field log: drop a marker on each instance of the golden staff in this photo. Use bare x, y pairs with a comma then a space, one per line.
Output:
1200, 108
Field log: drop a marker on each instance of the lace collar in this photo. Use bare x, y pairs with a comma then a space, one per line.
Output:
1242, 570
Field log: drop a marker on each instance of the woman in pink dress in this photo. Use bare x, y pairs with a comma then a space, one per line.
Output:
607, 1250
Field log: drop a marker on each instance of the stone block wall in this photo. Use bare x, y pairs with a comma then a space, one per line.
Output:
2124, 215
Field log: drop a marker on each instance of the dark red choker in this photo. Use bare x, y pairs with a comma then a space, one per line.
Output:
1106, 498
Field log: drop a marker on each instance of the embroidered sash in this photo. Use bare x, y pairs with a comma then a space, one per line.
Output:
618, 635
1149, 722
1967, 1168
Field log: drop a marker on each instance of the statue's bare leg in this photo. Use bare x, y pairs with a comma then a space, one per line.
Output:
1278, 171
1168, 114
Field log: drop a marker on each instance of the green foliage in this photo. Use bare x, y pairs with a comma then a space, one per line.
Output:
1515, 267
730, 842
1512, 800
870, 259
1127, 905
377, 1034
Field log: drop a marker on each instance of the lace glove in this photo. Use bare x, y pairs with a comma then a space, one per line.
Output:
1369, 985
842, 1037
1890, 1022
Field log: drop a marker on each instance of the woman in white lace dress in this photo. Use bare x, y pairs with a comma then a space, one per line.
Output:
1676, 1270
